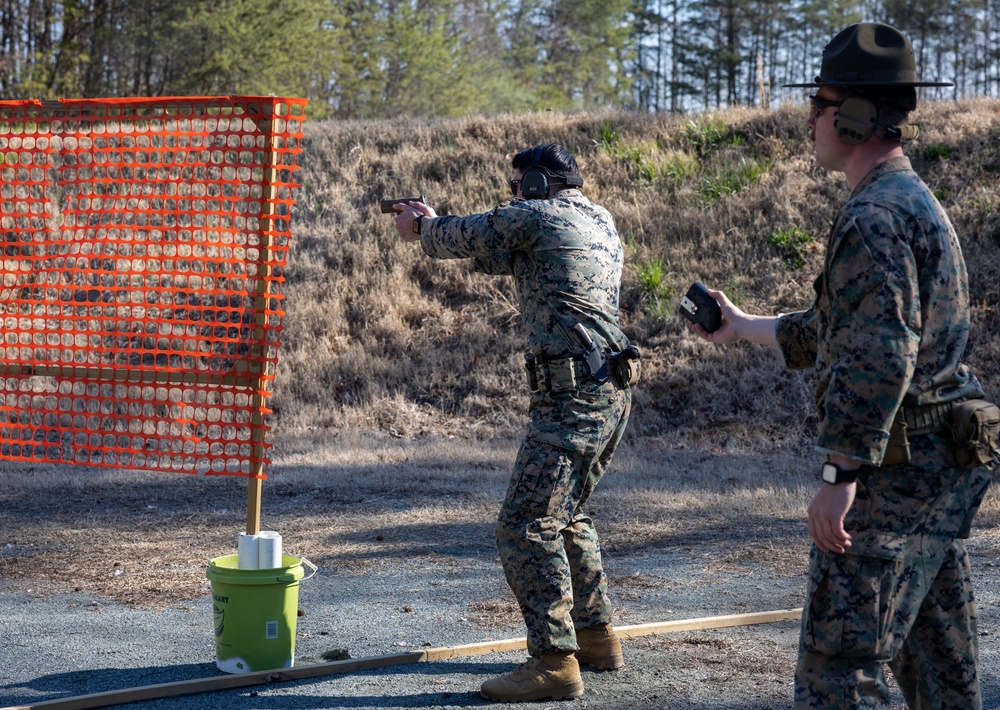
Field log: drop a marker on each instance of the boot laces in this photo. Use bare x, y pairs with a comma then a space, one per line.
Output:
528, 668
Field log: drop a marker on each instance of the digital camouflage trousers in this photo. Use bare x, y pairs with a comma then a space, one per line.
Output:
548, 546
901, 595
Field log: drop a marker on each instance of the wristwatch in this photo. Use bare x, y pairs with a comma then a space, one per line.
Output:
416, 223
834, 474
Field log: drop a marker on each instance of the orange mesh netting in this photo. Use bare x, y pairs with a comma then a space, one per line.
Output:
144, 242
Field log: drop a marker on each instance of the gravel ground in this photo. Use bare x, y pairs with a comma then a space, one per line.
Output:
102, 585
60, 645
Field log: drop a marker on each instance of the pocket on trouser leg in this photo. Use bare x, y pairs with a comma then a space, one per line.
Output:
544, 482
851, 606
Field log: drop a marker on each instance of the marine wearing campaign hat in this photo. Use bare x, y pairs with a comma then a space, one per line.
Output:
889, 579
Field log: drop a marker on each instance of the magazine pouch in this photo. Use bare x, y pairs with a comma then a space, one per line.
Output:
975, 433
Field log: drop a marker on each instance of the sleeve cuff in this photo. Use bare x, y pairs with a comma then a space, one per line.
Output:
853, 440
796, 340
832, 452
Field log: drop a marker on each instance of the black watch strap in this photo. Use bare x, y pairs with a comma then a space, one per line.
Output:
834, 474
417, 223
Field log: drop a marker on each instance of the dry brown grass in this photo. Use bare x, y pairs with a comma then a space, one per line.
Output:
145, 539
378, 336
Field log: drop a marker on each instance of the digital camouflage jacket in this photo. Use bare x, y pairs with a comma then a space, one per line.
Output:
564, 254
890, 319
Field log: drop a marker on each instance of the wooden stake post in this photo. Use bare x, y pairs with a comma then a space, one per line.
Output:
264, 293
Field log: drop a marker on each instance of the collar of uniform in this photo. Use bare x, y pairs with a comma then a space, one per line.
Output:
892, 165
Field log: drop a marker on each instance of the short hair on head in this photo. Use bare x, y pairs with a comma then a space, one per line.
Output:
551, 156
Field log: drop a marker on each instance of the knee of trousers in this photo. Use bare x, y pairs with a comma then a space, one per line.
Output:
823, 681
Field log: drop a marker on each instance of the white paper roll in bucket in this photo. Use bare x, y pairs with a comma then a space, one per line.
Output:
249, 554
268, 550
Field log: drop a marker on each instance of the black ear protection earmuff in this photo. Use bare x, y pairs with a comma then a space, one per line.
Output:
536, 179
534, 182
856, 120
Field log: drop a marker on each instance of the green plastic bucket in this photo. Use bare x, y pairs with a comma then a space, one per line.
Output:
255, 613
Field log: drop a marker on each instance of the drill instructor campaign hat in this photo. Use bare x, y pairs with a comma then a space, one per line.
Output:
869, 54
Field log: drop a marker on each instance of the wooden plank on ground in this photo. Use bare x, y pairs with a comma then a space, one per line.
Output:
474, 649
709, 622
243, 680
660, 627
226, 682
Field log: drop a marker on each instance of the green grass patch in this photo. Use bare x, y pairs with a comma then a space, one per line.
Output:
791, 245
937, 152
609, 136
680, 168
730, 179
708, 131
640, 158
652, 275
659, 308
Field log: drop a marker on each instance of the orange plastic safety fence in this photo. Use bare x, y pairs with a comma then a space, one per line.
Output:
144, 243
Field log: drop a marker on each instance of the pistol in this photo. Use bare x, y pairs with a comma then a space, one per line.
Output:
386, 205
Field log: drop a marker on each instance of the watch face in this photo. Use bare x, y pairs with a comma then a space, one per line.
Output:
829, 473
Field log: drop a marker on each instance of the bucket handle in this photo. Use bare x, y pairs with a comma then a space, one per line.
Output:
311, 566
291, 577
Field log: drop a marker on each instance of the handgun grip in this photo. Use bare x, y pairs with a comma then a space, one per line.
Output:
583, 336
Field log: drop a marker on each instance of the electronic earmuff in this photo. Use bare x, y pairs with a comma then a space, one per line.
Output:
856, 120
537, 178
535, 182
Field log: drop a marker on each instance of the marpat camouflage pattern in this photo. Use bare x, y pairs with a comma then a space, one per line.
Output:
566, 259
891, 316
888, 327
564, 254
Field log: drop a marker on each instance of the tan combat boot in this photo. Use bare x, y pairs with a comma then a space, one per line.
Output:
600, 648
550, 676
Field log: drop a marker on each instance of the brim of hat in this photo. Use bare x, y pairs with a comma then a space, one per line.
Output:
913, 84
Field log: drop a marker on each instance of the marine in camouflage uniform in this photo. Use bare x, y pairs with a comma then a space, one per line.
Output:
889, 577
566, 259
888, 326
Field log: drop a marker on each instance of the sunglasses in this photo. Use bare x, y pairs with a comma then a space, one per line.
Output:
514, 185
816, 105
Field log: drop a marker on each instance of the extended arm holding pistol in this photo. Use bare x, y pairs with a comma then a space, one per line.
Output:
409, 217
